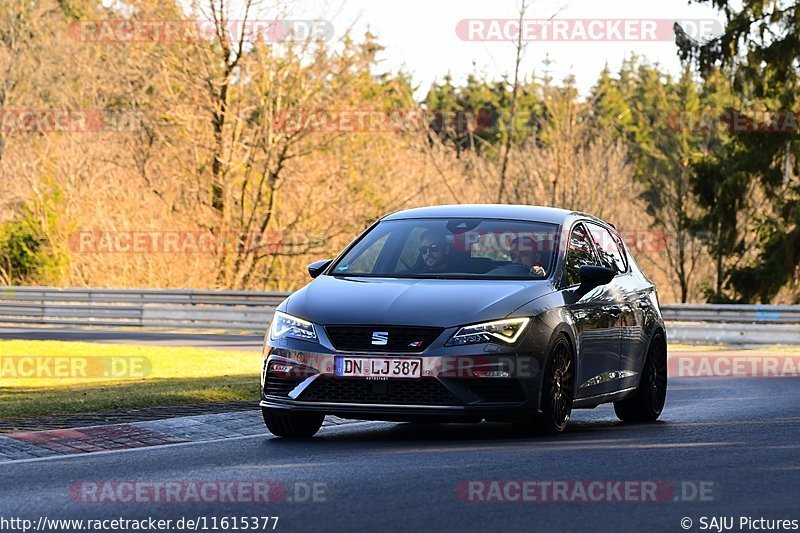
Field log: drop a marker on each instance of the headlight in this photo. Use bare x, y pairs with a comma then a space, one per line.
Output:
506, 331
289, 327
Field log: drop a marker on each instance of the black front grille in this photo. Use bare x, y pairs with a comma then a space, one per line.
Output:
275, 386
389, 391
398, 338
495, 389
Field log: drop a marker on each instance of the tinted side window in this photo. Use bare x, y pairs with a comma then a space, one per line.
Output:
579, 253
608, 248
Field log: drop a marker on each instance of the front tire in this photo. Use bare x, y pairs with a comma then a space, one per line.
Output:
648, 401
558, 392
292, 425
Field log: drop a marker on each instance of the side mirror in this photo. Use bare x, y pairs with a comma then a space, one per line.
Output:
593, 276
318, 267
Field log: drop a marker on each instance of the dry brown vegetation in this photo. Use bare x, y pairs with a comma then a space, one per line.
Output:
190, 143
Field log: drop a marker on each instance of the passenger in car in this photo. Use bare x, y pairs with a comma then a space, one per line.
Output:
524, 251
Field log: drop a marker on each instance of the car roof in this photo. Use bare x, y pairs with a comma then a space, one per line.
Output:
536, 213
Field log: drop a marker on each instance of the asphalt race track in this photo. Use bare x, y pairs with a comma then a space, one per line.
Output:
726, 447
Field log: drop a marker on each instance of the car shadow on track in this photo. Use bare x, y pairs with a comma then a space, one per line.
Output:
388, 432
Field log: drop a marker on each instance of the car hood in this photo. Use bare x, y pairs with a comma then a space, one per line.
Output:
418, 302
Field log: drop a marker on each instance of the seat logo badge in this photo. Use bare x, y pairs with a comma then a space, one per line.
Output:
380, 338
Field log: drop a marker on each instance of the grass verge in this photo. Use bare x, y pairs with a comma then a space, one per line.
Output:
48, 378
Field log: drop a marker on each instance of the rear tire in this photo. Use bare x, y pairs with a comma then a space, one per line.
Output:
648, 401
558, 392
292, 425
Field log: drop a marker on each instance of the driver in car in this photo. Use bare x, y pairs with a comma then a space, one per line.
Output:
524, 252
434, 251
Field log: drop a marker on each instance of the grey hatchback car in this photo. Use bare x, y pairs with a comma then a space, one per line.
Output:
468, 313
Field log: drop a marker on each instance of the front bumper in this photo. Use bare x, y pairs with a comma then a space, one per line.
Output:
490, 386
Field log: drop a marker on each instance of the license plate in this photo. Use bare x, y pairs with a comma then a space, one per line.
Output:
378, 367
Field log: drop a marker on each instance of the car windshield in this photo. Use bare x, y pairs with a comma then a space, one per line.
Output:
452, 249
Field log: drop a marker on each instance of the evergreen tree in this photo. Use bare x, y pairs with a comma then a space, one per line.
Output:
759, 49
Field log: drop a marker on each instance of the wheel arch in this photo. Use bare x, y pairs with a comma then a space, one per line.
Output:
566, 330
658, 329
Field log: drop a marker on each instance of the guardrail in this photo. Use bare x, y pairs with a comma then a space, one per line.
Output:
149, 308
709, 333
252, 311
732, 323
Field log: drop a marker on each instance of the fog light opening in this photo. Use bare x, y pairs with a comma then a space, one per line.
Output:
491, 373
